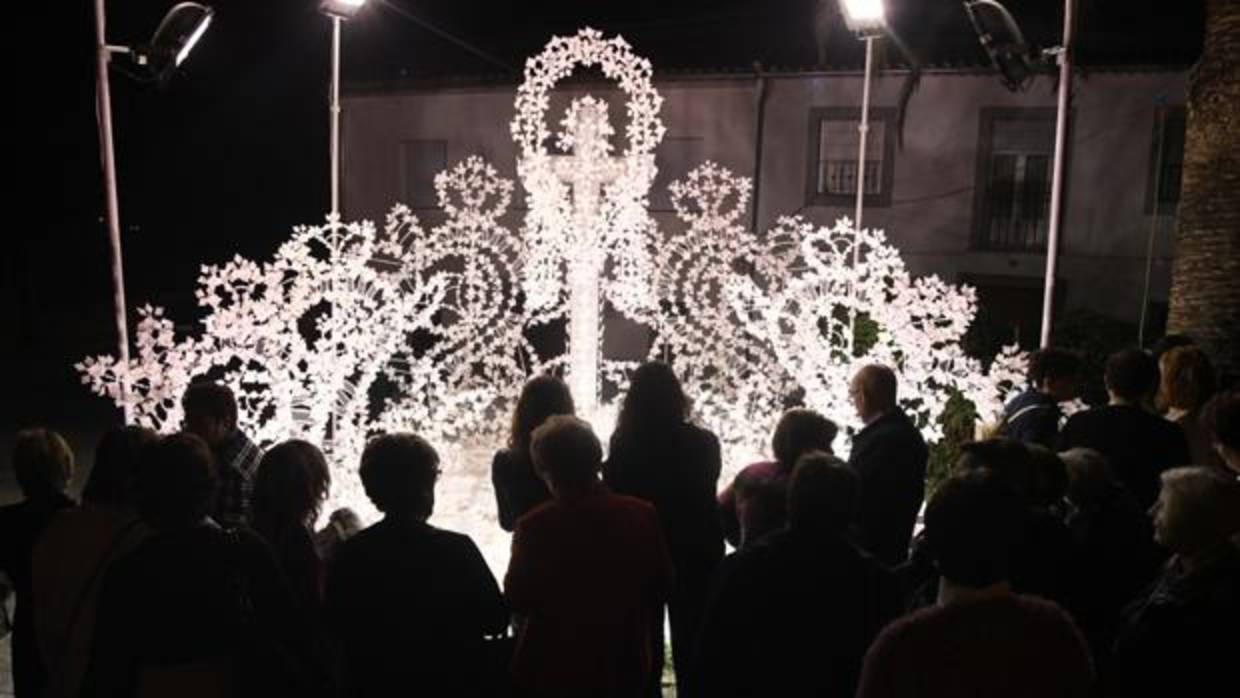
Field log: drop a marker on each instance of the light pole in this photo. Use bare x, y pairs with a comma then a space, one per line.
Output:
1064, 55
176, 36
338, 11
866, 18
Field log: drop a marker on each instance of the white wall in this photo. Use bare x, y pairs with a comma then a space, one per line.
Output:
930, 217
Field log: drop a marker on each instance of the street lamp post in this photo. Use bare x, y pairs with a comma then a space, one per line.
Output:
1064, 54
866, 18
338, 11
176, 36
107, 156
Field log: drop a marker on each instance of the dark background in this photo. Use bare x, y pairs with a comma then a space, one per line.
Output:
234, 150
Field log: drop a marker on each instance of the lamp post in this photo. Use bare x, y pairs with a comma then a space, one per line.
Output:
866, 18
1064, 55
338, 11
176, 36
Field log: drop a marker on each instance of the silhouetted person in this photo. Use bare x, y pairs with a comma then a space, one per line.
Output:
755, 503
1044, 557
1137, 444
889, 454
1174, 640
658, 455
177, 614
1048, 480
411, 604
289, 488
1187, 384
43, 465
74, 553
1221, 419
517, 487
792, 614
1117, 556
589, 574
1033, 416
211, 415
980, 639
341, 525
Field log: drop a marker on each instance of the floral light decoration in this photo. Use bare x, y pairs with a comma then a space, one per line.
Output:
588, 232
734, 376
351, 329
918, 324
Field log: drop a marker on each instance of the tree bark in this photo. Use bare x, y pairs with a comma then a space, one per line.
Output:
1205, 282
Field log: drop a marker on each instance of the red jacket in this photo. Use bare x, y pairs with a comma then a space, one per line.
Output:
589, 575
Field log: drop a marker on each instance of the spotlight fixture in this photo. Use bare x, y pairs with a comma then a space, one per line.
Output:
173, 40
1003, 41
864, 17
344, 9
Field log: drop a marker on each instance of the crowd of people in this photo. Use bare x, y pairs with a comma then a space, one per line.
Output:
1097, 555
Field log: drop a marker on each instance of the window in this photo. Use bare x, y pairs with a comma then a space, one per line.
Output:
420, 161
1016, 155
675, 157
1166, 160
833, 171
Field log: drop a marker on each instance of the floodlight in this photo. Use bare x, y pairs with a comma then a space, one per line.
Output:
1003, 41
864, 16
173, 40
344, 9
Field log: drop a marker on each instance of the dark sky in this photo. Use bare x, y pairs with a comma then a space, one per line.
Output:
233, 151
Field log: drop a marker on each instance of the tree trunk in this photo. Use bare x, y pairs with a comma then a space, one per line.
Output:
1205, 281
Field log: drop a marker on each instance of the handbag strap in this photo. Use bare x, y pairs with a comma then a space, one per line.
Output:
80, 602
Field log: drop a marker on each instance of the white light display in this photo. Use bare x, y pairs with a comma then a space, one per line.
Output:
352, 329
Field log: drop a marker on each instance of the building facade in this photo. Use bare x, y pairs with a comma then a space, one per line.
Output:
963, 191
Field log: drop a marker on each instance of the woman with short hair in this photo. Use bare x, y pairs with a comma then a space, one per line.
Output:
1169, 643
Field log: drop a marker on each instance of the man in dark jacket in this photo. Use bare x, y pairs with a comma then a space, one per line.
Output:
1138, 444
889, 455
805, 581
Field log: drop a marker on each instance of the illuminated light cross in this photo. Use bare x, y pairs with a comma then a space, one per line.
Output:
587, 170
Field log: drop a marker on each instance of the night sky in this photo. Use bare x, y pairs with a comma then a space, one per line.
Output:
233, 151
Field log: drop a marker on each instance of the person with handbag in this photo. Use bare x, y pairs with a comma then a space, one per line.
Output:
73, 554
195, 611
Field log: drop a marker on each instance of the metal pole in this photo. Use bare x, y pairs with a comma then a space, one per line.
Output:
1061, 128
863, 131
107, 155
335, 114
1161, 112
